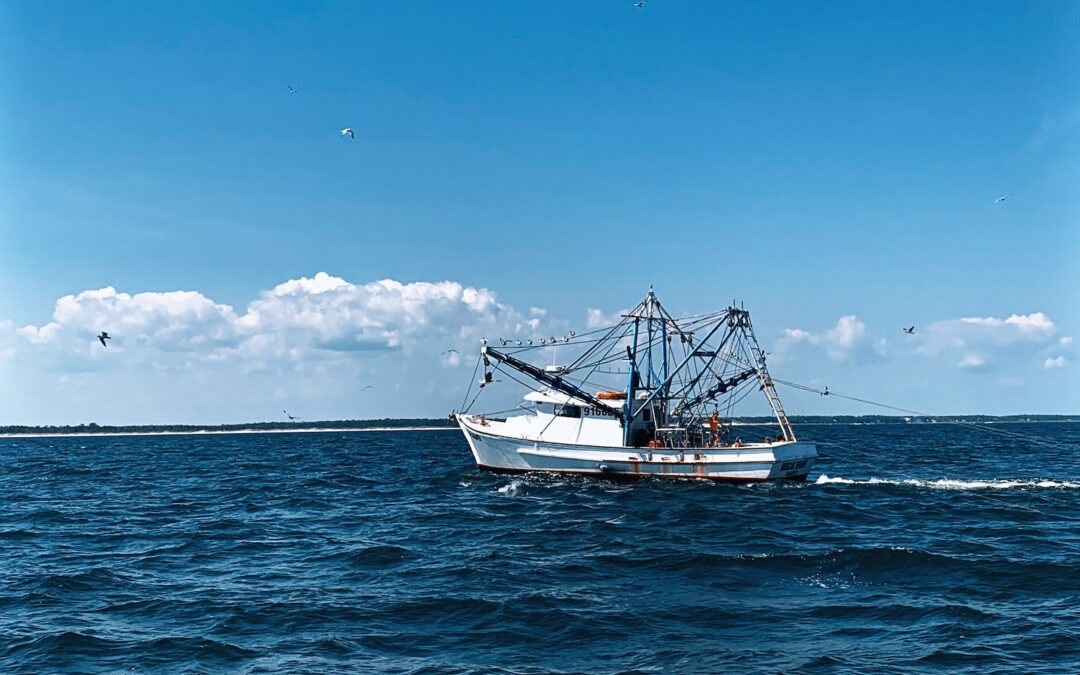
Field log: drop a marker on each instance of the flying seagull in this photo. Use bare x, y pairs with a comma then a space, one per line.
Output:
103, 337
910, 330
348, 132
291, 90
291, 418
366, 387
451, 350
1002, 199
639, 4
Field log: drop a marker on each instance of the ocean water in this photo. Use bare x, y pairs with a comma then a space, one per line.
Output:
911, 548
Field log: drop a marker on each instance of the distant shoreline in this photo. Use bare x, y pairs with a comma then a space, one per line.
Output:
428, 424
219, 432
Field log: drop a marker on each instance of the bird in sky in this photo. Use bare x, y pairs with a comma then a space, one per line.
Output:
291, 418
825, 391
639, 4
103, 337
451, 351
348, 132
291, 90
1002, 199
910, 330
366, 387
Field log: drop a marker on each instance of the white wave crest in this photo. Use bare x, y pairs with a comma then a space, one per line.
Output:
955, 484
511, 488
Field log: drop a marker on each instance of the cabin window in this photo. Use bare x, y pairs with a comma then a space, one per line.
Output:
568, 411
646, 416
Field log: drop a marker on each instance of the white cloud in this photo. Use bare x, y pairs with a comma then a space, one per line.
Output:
1031, 324
298, 320
1058, 362
849, 338
1012, 335
1065, 341
972, 361
595, 318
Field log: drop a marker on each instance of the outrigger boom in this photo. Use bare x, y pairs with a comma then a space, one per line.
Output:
658, 422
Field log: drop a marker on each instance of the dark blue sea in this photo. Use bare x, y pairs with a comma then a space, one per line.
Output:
911, 548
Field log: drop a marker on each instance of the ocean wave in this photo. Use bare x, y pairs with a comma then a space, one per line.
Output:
953, 483
374, 555
318, 553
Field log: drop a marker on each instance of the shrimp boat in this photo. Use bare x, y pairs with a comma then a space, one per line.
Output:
650, 395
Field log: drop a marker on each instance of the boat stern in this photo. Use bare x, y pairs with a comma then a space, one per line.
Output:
792, 460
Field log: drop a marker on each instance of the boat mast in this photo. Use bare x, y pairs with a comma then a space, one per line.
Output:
628, 415
763, 376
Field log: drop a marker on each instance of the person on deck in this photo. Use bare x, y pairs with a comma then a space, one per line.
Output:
714, 429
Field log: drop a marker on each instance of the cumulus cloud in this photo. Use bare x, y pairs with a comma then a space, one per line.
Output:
595, 318
973, 361
296, 320
1056, 362
1007, 339
1029, 324
849, 338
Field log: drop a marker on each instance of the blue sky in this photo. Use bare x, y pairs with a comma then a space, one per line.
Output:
817, 162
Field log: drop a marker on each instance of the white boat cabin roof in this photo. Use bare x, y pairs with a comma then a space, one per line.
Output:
559, 398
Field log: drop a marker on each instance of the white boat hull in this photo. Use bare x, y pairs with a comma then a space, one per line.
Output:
756, 462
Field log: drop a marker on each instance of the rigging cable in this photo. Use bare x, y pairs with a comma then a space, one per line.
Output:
943, 419
469, 390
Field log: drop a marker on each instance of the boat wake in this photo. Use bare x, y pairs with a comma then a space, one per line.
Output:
954, 484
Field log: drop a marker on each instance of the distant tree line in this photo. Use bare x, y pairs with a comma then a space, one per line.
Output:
912, 419
94, 428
